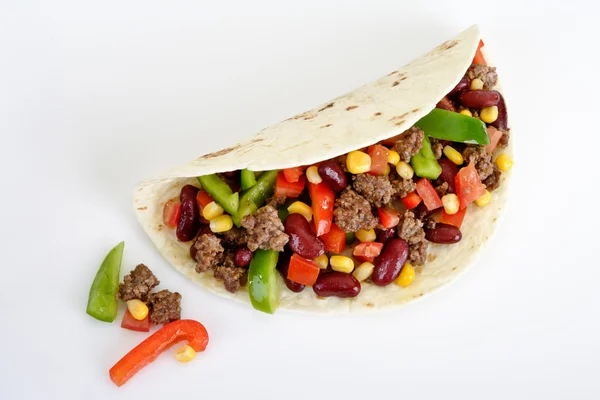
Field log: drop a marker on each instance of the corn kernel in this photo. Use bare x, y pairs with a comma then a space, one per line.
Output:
366, 236
358, 162
138, 309
387, 170
476, 84
185, 353
212, 210
322, 261
393, 157
221, 224
489, 114
504, 162
453, 155
363, 271
405, 170
407, 275
342, 264
484, 199
312, 174
451, 203
466, 112
299, 207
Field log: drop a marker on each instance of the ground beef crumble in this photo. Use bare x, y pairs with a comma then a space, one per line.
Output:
417, 253
409, 143
442, 189
137, 284
402, 186
352, 212
487, 74
165, 307
233, 277
376, 189
481, 159
411, 228
492, 182
264, 230
208, 252
503, 142
437, 147
276, 200
233, 238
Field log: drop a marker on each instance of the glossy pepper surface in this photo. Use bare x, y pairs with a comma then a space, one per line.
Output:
102, 301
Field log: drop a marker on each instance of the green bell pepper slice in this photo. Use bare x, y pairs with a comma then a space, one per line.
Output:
220, 192
102, 301
453, 126
262, 281
350, 237
256, 196
425, 163
248, 179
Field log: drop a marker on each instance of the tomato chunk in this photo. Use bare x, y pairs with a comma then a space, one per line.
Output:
302, 271
389, 217
322, 198
478, 59
171, 213
293, 174
495, 135
379, 159
135, 325
368, 250
289, 189
411, 200
335, 240
427, 192
468, 185
453, 219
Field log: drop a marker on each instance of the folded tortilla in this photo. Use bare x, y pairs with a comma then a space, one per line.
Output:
376, 111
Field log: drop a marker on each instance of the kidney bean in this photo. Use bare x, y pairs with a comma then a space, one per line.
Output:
189, 220
421, 211
390, 262
479, 98
336, 284
445, 104
502, 121
463, 84
333, 175
449, 171
188, 192
283, 264
231, 174
384, 236
242, 257
443, 234
303, 240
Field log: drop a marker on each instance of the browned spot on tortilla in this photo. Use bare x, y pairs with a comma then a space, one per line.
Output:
309, 117
256, 140
326, 126
159, 228
495, 219
399, 122
447, 45
222, 152
420, 294
326, 107
377, 114
370, 305
398, 117
142, 208
320, 297
396, 83
393, 72
351, 108
431, 257
415, 110
403, 78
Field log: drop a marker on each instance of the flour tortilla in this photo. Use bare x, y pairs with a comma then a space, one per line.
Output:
371, 113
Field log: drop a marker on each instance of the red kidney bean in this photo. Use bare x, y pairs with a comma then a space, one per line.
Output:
443, 234
478, 98
336, 284
188, 192
189, 220
390, 262
421, 211
303, 241
231, 174
384, 236
449, 171
283, 264
463, 84
242, 257
502, 121
333, 175
445, 104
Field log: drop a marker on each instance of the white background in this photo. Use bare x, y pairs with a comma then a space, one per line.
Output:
95, 96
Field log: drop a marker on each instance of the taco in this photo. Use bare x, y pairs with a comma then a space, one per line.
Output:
373, 199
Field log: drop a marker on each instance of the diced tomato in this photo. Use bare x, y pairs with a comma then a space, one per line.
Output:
468, 185
171, 213
391, 141
293, 174
379, 159
322, 199
203, 199
495, 135
388, 216
289, 189
135, 325
478, 59
427, 192
453, 219
335, 240
411, 200
368, 250
302, 271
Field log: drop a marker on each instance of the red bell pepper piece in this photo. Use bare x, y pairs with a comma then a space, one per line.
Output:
389, 217
203, 199
289, 189
322, 205
391, 141
368, 250
453, 219
468, 185
293, 174
411, 200
171, 213
147, 351
379, 159
302, 271
495, 135
135, 325
478, 59
427, 192
335, 240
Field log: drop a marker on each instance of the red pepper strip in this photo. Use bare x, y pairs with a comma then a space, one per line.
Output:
478, 59
468, 185
322, 204
335, 240
411, 200
453, 219
289, 189
293, 174
428, 194
302, 271
147, 351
